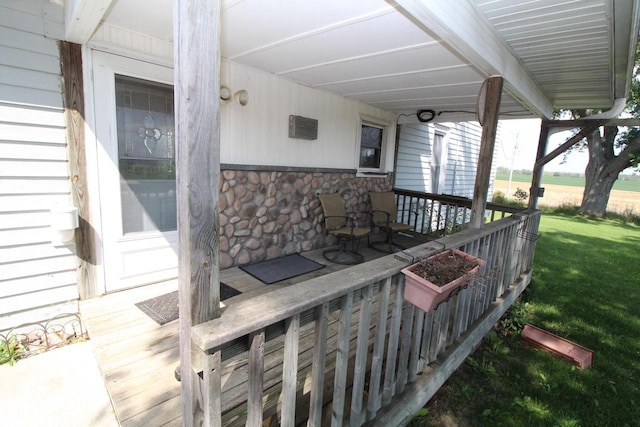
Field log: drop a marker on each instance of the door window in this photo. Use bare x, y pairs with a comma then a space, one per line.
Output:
146, 155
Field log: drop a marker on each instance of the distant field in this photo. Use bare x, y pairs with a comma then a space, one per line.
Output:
571, 181
621, 201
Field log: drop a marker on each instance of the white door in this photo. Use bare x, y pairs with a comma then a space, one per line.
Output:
134, 126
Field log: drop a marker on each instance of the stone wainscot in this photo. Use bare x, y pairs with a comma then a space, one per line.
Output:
267, 213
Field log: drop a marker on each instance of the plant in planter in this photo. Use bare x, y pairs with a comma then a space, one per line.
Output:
433, 280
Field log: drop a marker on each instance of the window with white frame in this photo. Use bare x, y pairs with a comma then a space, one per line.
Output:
372, 146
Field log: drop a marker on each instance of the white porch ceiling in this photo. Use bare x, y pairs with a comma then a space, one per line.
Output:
408, 55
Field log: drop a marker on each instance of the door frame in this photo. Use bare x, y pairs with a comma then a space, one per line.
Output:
95, 151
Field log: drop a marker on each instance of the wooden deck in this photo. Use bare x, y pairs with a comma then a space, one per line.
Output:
138, 357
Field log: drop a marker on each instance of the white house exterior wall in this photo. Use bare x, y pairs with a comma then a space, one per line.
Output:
414, 158
37, 279
463, 146
258, 132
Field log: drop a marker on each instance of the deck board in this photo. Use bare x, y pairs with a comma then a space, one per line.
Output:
138, 357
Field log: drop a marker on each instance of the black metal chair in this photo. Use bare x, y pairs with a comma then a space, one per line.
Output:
348, 229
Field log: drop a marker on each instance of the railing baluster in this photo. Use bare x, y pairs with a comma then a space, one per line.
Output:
431, 211
514, 253
405, 345
388, 390
426, 217
415, 220
485, 279
290, 371
362, 350
427, 328
439, 219
318, 365
436, 331
492, 268
374, 401
444, 329
256, 378
414, 355
500, 281
468, 304
458, 314
342, 359
445, 226
211, 376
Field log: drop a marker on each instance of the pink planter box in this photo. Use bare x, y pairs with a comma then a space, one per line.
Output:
558, 346
427, 295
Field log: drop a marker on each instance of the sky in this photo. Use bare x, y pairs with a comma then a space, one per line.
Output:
520, 143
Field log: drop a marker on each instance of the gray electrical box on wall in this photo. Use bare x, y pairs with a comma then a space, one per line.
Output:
303, 127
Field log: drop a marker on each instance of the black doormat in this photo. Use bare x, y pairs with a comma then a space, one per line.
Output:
283, 268
164, 308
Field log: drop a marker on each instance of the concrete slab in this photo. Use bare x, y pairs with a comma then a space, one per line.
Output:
61, 387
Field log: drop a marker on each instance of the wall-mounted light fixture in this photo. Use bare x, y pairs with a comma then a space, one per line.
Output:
242, 96
64, 221
226, 94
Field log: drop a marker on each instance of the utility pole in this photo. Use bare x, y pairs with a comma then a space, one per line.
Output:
513, 159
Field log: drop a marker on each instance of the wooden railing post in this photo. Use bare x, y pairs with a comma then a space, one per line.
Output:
536, 179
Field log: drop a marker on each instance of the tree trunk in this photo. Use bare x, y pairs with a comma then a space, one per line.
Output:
600, 174
596, 191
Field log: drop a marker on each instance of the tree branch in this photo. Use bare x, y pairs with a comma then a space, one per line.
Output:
623, 159
610, 133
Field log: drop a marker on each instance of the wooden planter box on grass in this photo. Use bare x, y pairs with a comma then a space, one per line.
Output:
427, 295
558, 346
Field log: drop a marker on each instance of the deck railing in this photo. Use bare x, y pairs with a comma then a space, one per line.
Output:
341, 348
438, 215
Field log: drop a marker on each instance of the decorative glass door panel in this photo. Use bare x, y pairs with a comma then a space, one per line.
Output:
145, 123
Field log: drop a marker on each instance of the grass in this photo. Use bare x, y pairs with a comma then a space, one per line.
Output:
584, 288
624, 183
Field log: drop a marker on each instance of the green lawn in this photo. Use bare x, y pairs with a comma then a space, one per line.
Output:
586, 288
631, 183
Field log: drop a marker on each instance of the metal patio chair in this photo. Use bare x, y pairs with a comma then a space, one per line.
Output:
348, 228
384, 216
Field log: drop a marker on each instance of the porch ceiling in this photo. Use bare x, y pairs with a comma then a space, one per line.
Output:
407, 55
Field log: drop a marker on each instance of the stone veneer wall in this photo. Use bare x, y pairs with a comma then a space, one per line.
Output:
266, 214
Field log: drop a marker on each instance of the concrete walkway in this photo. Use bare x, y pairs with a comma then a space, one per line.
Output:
61, 387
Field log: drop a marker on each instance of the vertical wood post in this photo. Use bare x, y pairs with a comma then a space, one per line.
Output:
492, 95
536, 179
542, 158
71, 59
197, 117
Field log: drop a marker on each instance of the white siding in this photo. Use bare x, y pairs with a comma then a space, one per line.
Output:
258, 133
414, 158
37, 279
463, 147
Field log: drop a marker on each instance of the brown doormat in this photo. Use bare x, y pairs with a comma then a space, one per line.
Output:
164, 308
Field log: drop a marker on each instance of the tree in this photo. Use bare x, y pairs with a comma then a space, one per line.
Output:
611, 151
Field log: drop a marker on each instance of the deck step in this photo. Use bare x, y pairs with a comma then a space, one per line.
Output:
558, 346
